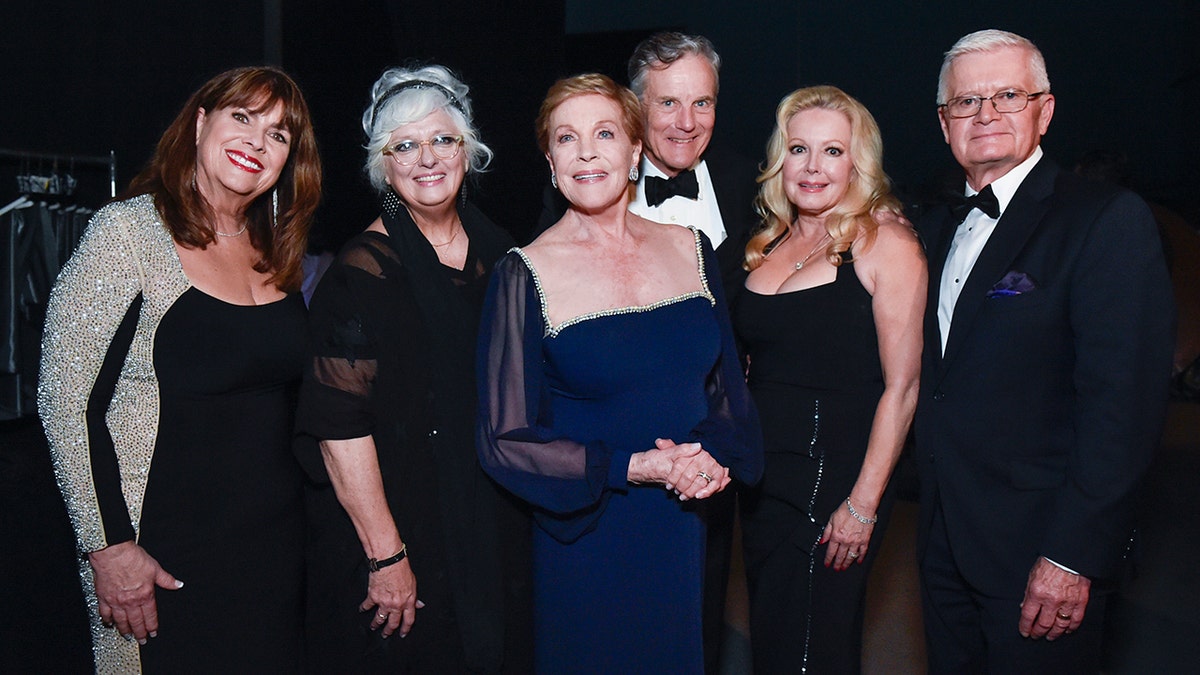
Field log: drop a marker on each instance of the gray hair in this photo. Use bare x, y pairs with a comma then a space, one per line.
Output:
393, 105
987, 41
662, 49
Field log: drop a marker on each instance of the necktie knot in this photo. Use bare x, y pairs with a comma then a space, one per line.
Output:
683, 184
985, 201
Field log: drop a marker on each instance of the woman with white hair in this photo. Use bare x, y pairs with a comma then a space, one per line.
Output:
401, 516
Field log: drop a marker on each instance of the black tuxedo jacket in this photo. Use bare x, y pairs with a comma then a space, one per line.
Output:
1035, 427
733, 178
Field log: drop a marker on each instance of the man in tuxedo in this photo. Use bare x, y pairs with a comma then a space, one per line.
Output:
1048, 341
684, 180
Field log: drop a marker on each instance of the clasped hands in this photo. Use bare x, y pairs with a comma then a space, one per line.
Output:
687, 469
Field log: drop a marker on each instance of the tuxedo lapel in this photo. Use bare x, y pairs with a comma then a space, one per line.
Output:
1022, 217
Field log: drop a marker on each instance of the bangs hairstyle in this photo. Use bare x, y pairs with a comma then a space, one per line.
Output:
869, 191
390, 110
170, 174
584, 85
988, 41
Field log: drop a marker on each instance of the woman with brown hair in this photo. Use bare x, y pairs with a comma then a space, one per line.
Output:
173, 344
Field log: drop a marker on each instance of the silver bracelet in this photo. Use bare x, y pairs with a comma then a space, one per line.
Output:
861, 519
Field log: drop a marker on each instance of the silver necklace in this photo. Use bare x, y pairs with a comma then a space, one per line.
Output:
800, 265
235, 234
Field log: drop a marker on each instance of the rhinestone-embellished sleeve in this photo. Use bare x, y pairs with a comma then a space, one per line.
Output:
87, 304
571, 481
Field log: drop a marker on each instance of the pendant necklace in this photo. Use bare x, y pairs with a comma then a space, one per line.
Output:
448, 241
800, 265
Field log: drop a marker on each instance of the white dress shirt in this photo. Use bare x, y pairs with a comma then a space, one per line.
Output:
970, 238
702, 213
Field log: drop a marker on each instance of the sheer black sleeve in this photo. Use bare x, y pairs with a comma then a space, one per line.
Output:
339, 377
568, 479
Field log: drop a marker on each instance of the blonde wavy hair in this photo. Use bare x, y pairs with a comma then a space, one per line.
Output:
869, 193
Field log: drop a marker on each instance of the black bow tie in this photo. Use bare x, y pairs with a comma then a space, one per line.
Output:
985, 200
684, 184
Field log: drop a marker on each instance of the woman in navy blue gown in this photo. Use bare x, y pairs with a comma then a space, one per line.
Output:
612, 400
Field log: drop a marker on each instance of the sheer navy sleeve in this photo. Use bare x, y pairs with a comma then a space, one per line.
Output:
730, 432
569, 480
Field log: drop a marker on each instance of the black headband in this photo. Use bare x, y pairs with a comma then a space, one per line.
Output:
417, 84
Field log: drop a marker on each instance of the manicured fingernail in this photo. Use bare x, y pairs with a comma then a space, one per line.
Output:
154, 634
141, 641
178, 584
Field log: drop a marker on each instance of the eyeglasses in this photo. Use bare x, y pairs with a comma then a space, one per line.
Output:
1007, 101
407, 153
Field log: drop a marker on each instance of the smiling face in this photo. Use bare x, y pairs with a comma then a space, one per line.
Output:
679, 106
430, 182
990, 144
590, 153
817, 167
240, 153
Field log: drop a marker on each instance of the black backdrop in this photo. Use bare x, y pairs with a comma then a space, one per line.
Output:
87, 78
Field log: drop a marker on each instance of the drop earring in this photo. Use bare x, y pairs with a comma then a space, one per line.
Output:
554, 180
633, 174
275, 207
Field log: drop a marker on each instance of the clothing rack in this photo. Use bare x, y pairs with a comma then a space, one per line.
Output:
38, 233
110, 162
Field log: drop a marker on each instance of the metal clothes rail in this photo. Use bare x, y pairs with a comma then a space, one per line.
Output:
110, 162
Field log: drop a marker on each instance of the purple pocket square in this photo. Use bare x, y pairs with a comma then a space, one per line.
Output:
1013, 283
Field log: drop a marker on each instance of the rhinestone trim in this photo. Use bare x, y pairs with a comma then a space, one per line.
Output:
552, 331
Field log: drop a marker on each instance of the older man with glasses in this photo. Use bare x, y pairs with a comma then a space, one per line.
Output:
1044, 380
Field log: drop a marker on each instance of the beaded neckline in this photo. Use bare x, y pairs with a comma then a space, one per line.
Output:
552, 331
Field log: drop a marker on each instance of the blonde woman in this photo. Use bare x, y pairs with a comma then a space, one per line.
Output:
831, 322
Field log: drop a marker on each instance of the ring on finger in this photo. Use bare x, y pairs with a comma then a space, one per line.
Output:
382, 615
705, 476
852, 554
1063, 615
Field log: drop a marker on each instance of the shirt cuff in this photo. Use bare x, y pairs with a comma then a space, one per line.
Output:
1061, 567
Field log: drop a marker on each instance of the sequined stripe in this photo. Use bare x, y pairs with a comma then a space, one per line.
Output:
812, 502
553, 331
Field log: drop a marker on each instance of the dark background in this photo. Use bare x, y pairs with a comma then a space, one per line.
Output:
87, 78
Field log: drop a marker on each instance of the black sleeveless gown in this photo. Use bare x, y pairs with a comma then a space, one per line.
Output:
223, 510
816, 378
